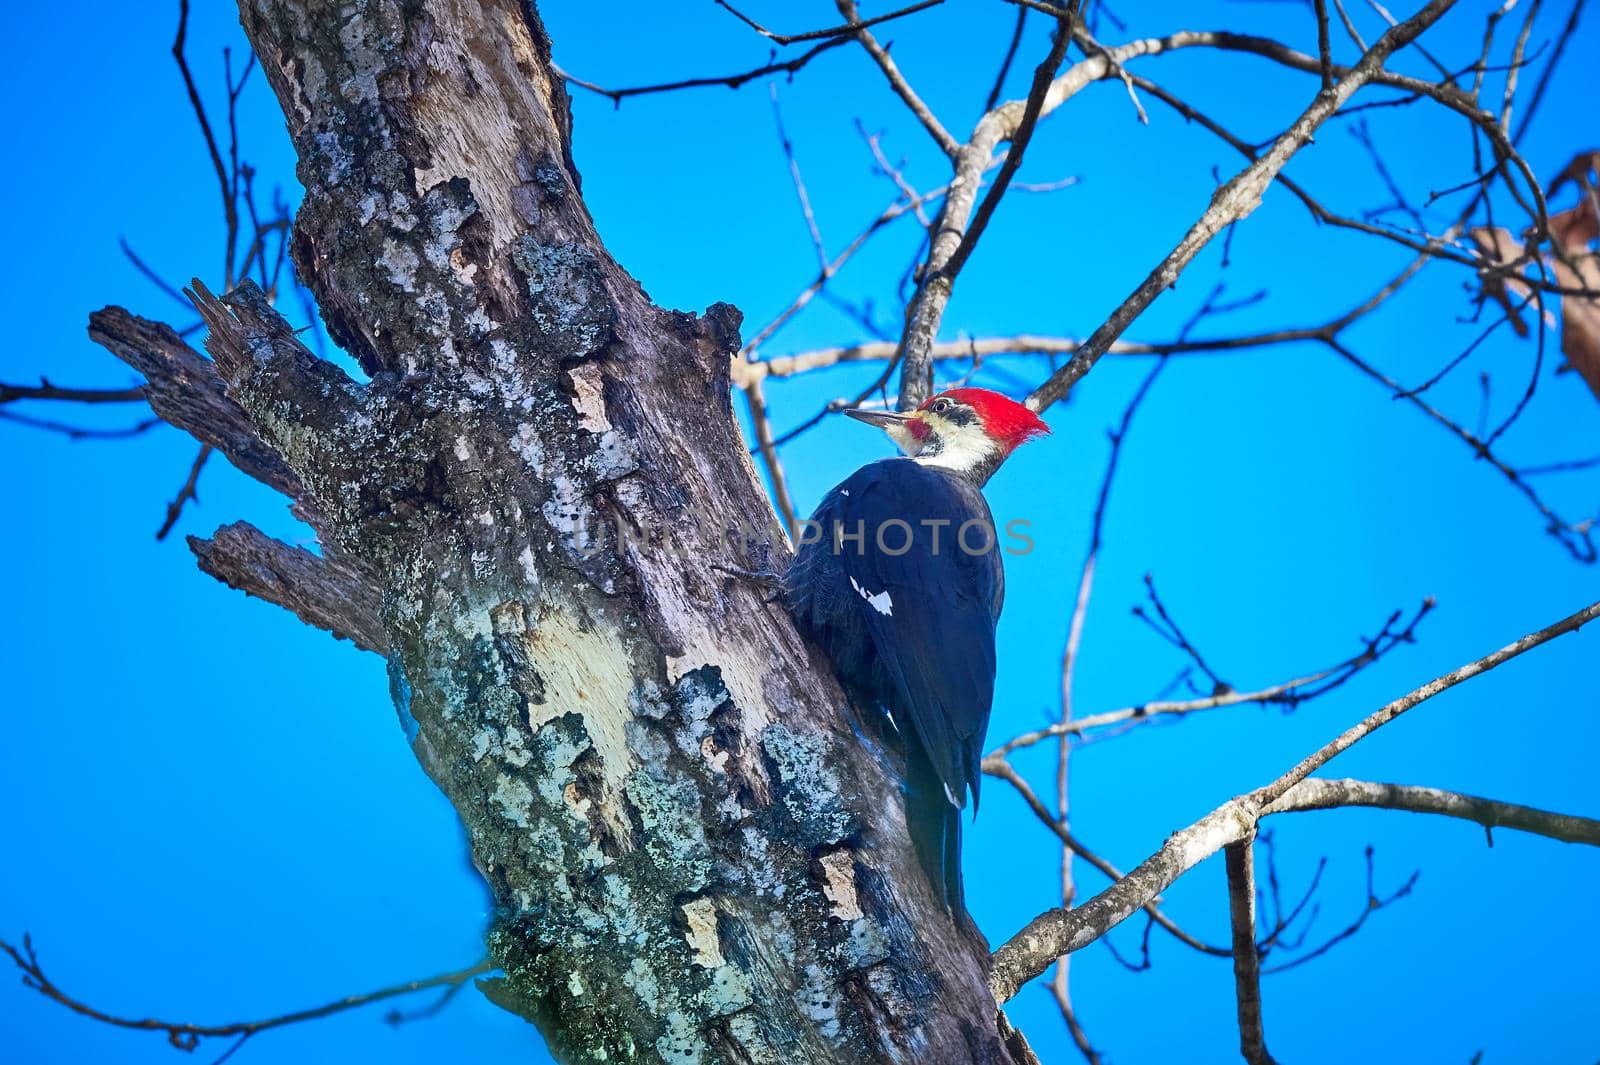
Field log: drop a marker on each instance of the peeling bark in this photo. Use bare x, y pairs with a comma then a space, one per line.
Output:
327, 593
184, 390
693, 855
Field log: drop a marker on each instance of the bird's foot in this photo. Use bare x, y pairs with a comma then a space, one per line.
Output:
764, 578
760, 572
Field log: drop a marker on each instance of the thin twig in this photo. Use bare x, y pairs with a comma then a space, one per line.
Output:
1353, 735
1032, 108
79, 432
1324, 48
1370, 905
798, 180
1031, 951
1060, 985
761, 421
732, 81
1233, 201
45, 390
1005, 64
186, 1036
893, 172
848, 29
959, 228
1004, 770
1289, 693
230, 209
154, 278
897, 81
185, 494
1168, 629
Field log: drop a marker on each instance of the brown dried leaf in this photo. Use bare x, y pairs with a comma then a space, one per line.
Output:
1580, 320
1582, 166
1498, 247
1572, 230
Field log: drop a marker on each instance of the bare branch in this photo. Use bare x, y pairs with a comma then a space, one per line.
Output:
1020, 344
45, 390
1371, 903
1324, 49
877, 351
1567, 33
798, 180
1234, 201
1319, 793
1353, 735
1560, 467
897, 81
1576, 537
1057, 932
1518, 50
188, 493
1069, 1016
1069, 657
186, 391
1349, 25
1004, 770
893, 172
1168, 629
897, 209
1246, 956
334, 594
186, 1036
1290, 693
756, 402
958, 229
1281, 923
732, 81
848, 29
1005, 64
79, 432
1032, 108
1060, 986
151, 275
230, 209
1093, 47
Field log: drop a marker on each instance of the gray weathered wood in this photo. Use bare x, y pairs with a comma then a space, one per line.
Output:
329, 593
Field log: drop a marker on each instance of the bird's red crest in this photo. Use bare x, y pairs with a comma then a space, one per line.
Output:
1004, 419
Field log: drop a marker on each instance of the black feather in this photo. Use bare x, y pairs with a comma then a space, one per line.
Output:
907, 613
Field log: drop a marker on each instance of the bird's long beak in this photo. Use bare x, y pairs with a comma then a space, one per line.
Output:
883, 419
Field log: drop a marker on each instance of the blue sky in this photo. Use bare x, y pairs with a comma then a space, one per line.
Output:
211, 811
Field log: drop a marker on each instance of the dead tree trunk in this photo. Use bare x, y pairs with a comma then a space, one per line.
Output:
693, 857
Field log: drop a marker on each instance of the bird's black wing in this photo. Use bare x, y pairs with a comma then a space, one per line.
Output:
930, 608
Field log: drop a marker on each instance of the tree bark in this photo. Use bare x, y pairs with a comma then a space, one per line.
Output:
694, 856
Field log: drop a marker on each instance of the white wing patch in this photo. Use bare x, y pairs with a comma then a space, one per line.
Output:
880, 602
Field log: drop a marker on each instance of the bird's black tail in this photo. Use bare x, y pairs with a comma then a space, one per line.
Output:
935, 824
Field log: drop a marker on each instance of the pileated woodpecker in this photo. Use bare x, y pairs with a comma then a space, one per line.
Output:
898, 579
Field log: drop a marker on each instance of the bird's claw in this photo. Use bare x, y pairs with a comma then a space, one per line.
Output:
773, 582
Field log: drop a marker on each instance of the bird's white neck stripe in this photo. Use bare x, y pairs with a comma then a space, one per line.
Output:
961, 452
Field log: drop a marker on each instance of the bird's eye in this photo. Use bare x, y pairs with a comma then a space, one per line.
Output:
940, 406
